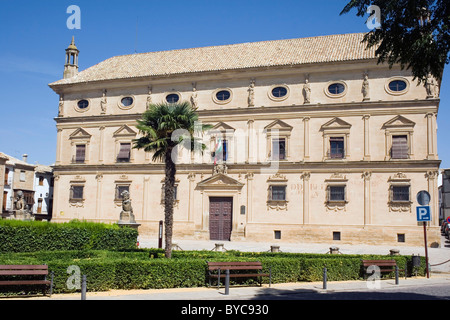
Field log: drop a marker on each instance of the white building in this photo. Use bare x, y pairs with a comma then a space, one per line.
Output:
43, 190
35, 181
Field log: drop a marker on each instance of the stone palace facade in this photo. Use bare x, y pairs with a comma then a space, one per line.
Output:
312, 141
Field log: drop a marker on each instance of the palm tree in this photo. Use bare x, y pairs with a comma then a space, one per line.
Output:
165, 127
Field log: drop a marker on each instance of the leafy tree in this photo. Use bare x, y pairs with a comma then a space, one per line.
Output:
164, 127
413, 33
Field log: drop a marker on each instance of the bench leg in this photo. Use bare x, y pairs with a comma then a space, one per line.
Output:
270, 277
218, 280
51, 283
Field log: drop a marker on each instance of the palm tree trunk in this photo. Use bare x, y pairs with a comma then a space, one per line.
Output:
169, 188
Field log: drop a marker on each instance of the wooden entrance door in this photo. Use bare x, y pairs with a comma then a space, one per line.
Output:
220, 218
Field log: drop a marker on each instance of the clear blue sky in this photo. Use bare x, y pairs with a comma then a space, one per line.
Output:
34, 36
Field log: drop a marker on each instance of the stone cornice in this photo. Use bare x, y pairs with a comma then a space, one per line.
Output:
284, 167
285, 112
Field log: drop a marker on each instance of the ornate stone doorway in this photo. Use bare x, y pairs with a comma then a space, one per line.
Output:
221, 200
220, 218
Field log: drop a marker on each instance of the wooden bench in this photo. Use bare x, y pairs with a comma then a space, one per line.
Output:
252, 269
384, 265
37, 274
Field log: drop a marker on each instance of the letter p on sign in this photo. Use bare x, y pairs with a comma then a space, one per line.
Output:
423, 213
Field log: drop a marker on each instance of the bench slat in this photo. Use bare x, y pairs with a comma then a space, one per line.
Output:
241, 275
379, 262
235, 268
23, 272
234, 263
24, 282
23, 267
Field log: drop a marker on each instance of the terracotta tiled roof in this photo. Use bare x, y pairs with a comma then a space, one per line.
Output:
322, 49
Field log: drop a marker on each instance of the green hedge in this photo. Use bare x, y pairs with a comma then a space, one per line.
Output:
147, 269
30, 236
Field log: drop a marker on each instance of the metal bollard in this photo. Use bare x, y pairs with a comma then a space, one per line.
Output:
83, 288
396, 274
227, 282
325, 278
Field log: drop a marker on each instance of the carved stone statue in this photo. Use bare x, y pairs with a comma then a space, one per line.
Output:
104, 102
251, 94
365, 88
220, 168
194, 101
21, 210
126, 216
61, 106
307, 92
430, 86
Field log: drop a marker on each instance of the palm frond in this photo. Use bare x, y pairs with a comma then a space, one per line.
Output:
161, 121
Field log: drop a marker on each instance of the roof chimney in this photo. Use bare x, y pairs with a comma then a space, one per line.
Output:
25, 158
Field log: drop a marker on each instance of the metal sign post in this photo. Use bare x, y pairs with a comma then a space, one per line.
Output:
424, 215
160, 234
426, 248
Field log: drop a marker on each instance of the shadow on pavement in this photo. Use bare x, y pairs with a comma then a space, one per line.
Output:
306, 294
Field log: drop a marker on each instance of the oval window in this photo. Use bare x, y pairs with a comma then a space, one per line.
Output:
223, 95
279, 92
172, 98
397, 85
83, 104
336, 88
127, 101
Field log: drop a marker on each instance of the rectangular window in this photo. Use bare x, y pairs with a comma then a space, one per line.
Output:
77, 192
6, 176
337, 148
336, 236
41, 180
399, 148
225, 150
278, 193
400, 193
279, 149
80, 155
120, 189
22, 176
336, 193
124, 152
221, 153
277, 234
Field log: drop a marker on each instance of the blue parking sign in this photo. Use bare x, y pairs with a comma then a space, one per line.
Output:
423, 213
